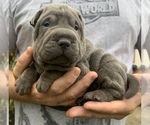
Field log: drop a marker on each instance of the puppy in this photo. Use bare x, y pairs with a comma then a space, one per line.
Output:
59, 45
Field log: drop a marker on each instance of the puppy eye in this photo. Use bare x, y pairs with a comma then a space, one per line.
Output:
76, 27
46, 24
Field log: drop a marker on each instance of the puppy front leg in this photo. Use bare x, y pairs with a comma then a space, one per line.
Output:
84, 67
26, 80
46, 79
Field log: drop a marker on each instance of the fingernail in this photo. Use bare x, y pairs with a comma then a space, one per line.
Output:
67, 114
28, 51
76, 72
94, 77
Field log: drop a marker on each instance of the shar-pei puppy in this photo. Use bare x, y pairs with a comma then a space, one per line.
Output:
59, 45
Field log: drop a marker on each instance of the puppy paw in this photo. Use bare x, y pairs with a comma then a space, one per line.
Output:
22, 87
97, 95
42, 86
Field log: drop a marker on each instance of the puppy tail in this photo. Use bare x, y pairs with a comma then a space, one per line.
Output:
132, 86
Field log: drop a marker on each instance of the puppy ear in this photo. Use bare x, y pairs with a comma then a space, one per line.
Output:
35, 18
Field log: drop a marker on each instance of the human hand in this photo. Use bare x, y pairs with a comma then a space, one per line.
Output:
115, 109
64, 91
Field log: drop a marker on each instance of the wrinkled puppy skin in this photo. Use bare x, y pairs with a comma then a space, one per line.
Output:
59, 45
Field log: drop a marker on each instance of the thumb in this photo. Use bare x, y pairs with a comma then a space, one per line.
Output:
23, 62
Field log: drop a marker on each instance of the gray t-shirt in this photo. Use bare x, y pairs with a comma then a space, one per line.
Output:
111, 24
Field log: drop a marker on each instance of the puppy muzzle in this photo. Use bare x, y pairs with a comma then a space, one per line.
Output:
60, 45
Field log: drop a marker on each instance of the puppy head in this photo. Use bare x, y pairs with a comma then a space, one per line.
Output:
58, 36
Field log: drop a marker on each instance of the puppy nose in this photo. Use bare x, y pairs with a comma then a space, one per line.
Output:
64, 43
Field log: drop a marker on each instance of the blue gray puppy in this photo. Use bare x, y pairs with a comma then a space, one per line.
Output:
59, 45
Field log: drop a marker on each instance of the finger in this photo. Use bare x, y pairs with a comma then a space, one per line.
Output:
80, 86
79, 111
114, 107
65, 81
23, 62
48, 99
74, 91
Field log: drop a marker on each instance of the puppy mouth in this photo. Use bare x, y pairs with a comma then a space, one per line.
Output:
52, 53
60, 60
60, 53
